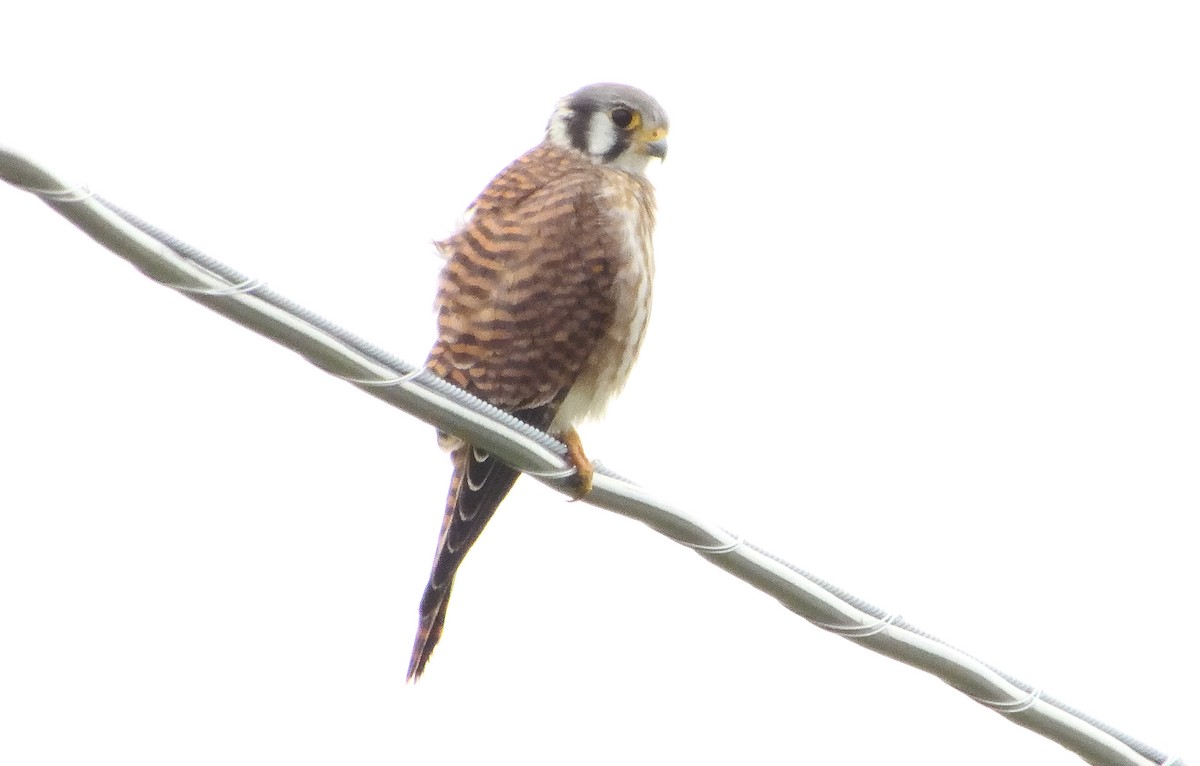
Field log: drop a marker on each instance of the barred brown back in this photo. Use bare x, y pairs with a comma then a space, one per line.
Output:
527, 289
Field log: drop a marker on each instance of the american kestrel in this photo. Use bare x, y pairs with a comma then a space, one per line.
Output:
543, 301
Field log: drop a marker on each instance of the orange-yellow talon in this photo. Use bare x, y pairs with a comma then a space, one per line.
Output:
583, 466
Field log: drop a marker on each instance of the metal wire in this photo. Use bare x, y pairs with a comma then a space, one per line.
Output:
414, 390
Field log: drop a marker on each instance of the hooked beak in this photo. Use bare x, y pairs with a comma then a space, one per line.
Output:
654, 142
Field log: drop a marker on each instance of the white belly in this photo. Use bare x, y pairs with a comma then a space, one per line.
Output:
607, 369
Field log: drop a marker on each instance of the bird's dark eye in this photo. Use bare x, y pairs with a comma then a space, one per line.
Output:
623, 118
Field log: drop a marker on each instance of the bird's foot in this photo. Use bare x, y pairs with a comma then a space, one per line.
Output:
583, 466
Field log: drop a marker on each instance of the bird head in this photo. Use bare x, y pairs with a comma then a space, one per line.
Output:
611, 124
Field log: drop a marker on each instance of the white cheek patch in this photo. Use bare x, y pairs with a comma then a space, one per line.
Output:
602, 134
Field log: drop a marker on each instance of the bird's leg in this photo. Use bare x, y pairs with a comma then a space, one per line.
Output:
583, 466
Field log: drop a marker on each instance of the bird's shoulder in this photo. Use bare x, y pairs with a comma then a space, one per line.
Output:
544, 171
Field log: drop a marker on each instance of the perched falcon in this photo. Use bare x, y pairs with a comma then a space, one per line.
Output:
543, 302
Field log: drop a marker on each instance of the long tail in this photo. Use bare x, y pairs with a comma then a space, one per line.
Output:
477, 486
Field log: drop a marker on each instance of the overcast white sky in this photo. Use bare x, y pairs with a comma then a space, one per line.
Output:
926, 324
